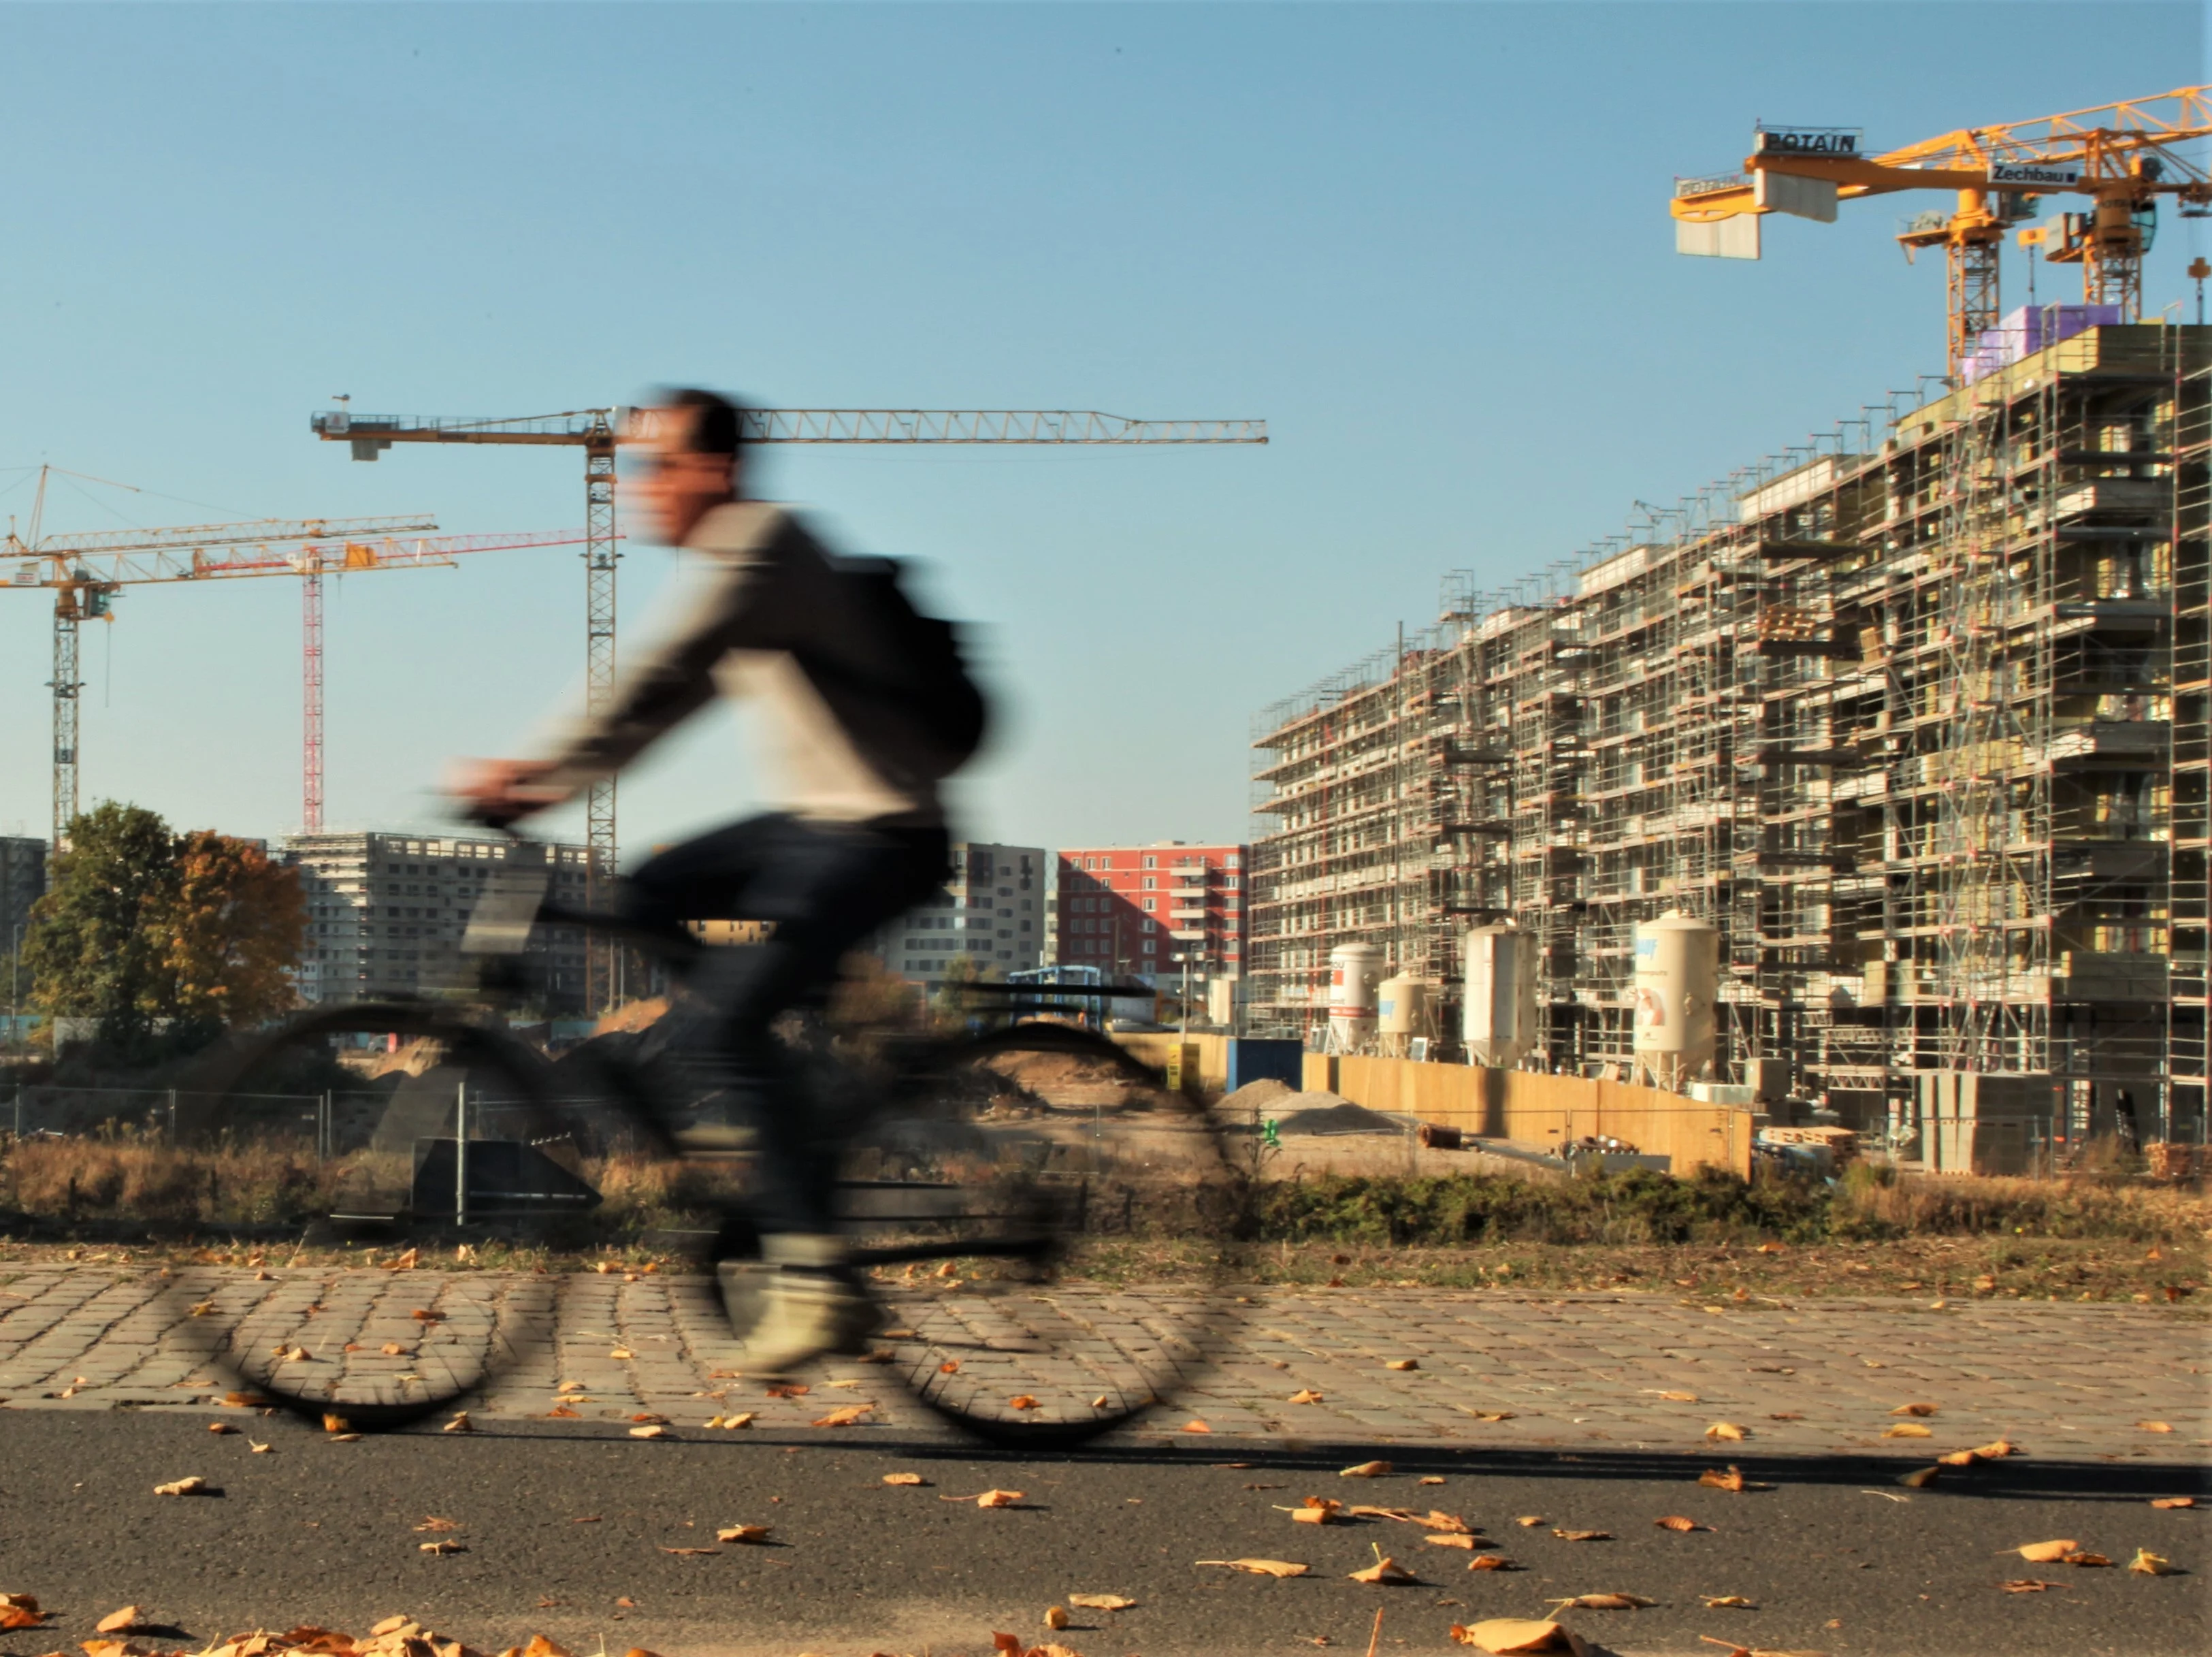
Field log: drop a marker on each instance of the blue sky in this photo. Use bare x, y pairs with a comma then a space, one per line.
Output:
1429, 244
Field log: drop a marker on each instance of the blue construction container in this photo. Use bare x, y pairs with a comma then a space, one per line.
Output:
1253, 1060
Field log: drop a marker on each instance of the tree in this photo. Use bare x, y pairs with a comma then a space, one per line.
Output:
141, 925
97, 944
235, 924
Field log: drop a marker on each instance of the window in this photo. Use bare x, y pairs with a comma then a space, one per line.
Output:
1151, 883
1150, 903
1152, 862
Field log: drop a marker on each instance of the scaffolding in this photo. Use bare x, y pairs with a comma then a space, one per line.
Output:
1893, 709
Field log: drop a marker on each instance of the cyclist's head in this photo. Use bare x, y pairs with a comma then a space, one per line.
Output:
694, 458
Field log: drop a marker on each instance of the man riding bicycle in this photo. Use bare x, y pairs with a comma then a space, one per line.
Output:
869, 711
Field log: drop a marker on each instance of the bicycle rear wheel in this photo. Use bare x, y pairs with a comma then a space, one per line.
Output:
1046, 1228
385, 1269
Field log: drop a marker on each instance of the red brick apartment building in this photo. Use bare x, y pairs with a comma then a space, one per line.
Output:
1133, 908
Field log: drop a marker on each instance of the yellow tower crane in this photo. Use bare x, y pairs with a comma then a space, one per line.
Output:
599, 431
2121, 155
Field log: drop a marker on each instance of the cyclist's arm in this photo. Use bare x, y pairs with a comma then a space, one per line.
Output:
673, 679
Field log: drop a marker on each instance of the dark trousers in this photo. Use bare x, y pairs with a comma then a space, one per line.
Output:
825, 886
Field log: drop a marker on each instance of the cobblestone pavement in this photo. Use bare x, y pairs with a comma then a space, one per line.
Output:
1495, 1369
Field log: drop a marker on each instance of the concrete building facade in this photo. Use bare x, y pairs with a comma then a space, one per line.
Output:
990, 913
22, 883
1140, 909
386, 913
1912, 715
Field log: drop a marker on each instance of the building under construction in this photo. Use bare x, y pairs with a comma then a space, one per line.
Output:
1915, 715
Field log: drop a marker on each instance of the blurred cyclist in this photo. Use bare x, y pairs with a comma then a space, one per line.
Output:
869, 708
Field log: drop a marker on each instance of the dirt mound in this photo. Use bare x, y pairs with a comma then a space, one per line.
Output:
410, 1058
1324, 1113
637, 1015
1265, 1094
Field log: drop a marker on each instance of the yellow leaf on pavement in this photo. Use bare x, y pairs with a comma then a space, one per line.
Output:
750, 1534
904, 1478
1583, 1536
1365, 1470
1384, 1572
1728, 1430
1491, 1562
1914, 1410
2173, 1502
622, 1352
1677, 1522
116, 1621
2147, 1564
1605, 1602
2154, 1426
2046, 1553
1306, 1396
1727, 1602
654, 1431
1529, 1521
1262, 1566
1101, 1601
1502, 1635
845, 1416
181, 1487
1056, 1617
1403, 1363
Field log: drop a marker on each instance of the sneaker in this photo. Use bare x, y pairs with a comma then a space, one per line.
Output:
797, 1303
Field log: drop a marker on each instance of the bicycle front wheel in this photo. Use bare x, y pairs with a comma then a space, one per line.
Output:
382, 1180
1047, 1227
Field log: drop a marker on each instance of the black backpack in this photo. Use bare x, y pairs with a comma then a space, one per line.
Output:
923, 668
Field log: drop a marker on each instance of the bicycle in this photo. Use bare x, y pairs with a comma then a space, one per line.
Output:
973, 1164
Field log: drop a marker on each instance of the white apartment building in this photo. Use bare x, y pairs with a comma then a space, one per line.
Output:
386, 913
991, 910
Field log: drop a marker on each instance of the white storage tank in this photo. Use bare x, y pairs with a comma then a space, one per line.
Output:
1402, 1007
1678, 961
1498, 1019
1353, 969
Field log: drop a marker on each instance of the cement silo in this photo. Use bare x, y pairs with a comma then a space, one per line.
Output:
1678, 961
1353, 969
1498, 1019
1402, 1013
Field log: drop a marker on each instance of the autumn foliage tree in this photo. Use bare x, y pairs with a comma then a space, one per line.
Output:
141, 924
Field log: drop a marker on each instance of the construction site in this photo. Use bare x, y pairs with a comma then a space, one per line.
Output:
1911, 717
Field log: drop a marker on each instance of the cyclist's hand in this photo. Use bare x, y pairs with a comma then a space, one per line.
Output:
498, 792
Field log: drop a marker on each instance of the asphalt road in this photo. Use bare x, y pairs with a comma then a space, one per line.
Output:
321, 1531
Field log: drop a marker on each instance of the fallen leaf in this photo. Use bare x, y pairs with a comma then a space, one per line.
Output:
1677, 1522
989, 1499
1056, 1617
1403, 1515
2173, 1502
2154, 1426
459, 1423
743, 1418
1489, 1415
259, 1449
1996, 1451
1101, 1601
181, 1487
1733, 1479
563, 1413
435, 1524
1309, 1396
751, 1535
1727, 1602
405, 1262
1260, 1567
1530, 1521
1402, 1363
845, 1416
1673, 1398
1583, 1536
336, 1424
343, 1438
1314, 1510
904, 1478
1728, 1430
2046, 1553
1193, 1426
950, 1367
1022, 1401
2145, 1563
787, 1389
647, 1418
622, 1352
442, 1547
1914, 1410
1502, 1635
692, 1552
1921, 1477
116, 1621
1449, 1539
1491, 1562
19, 1617
2093, 1560
1957, 1459
1365, 1470
2029, 1585
1432, 1478
1384, 1572
393, 1350
1437, 1520
422, 1314
1605, 1602
655, 1431
220, 1427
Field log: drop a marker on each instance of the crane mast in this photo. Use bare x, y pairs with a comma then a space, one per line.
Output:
599, 431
